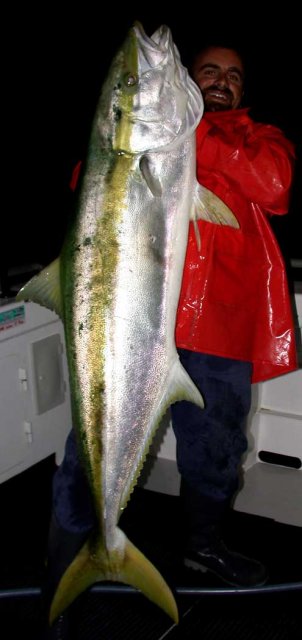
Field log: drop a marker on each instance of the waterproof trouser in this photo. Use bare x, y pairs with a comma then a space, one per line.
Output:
211, 441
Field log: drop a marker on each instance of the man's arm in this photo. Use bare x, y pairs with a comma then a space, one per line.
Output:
256, 159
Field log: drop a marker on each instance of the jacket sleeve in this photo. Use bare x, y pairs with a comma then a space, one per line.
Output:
255, 159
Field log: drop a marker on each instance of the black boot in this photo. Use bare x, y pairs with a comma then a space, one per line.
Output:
204, 548
231, 567
62, 548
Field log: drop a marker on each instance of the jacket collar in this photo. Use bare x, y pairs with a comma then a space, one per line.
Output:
232, 115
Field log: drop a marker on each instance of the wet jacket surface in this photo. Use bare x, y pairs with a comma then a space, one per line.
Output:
234, 299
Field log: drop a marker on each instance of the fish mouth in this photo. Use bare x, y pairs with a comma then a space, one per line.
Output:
161, 37
166, 103
153, 50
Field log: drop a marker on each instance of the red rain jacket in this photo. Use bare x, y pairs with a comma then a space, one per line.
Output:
234, 300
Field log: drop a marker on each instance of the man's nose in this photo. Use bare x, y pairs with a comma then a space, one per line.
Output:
222, 79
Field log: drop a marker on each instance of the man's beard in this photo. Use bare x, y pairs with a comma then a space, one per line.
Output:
216, 107
211, 104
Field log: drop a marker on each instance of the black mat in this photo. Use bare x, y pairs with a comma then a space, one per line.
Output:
208, 608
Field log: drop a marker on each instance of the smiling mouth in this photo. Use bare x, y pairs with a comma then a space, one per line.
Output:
220, 95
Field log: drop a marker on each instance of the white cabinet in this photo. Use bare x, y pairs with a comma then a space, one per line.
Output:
272, 481
35, 413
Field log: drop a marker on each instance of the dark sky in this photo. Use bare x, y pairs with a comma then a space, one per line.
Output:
55, 65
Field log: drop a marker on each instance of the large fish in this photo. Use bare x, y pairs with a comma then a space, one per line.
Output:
116, 287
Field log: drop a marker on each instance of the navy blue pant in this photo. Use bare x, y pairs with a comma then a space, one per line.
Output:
211, 441
72, 502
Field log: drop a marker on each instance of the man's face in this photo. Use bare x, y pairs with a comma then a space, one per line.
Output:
219, 74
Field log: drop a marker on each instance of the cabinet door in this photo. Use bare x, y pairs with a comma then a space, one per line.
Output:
14, 424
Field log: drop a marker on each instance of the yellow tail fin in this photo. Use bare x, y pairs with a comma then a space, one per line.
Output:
128, 565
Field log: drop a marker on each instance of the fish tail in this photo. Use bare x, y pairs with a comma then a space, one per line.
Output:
141, 574
129, 566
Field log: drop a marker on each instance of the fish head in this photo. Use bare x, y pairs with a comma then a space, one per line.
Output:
149, 101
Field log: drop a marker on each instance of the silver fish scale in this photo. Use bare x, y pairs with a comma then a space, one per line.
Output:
125, 336
140, 348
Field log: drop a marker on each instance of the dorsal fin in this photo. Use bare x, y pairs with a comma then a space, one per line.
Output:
44, 288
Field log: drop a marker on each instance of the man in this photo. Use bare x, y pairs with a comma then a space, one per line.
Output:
234, 323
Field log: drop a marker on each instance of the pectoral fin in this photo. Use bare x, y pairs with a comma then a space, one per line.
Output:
151, 180
207, 206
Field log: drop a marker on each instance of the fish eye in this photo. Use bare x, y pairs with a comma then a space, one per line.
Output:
130, 79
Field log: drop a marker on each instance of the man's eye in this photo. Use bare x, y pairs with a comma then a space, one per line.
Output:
235, 78
210, 72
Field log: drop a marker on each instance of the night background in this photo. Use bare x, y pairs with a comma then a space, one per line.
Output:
57, 58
